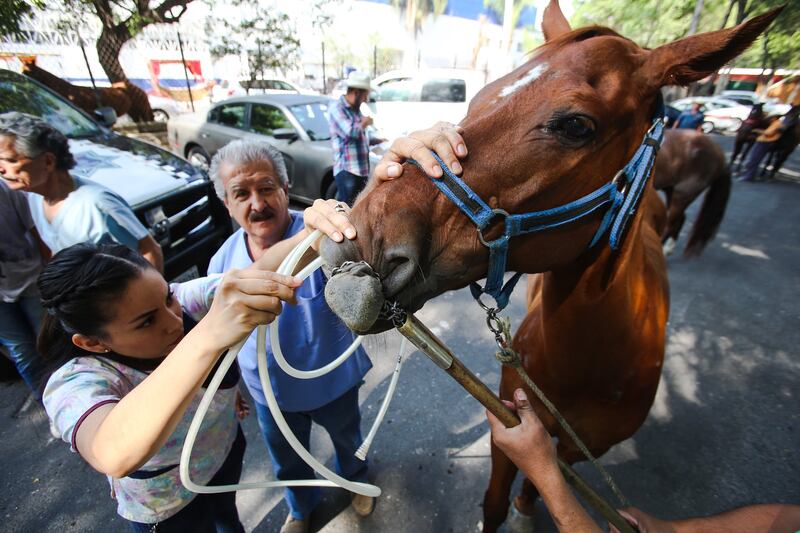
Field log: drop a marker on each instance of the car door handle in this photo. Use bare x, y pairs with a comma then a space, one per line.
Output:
204, 135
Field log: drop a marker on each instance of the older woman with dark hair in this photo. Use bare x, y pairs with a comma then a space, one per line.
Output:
35, 157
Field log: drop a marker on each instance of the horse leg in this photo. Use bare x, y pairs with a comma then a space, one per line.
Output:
779, 159
525, 502
737, 147
495, 501
675, 219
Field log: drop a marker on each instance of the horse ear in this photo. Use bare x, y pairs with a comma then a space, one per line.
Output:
554, 23
693, 58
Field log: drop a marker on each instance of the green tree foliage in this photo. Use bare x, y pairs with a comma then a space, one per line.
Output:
12, 11
651, 23
416, 11
251, 30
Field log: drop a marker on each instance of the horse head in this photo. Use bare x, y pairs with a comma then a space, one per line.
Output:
552, 131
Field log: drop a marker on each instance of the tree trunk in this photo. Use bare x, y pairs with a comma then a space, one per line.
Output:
727, 14
109, 45
698, 10
741, 11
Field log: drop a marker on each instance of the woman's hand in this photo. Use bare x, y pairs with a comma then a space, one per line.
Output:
528, 445
245, 299
331, 218
443, 138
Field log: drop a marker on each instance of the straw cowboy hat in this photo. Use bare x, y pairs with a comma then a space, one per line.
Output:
357, 80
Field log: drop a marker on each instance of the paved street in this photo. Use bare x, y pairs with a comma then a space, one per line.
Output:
724, 429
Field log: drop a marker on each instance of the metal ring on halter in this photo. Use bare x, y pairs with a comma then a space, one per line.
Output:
339, 208
495, 213
620, 179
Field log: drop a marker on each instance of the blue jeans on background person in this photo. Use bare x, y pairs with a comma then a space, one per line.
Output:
757, 154
341, 419
19, 326
348, 185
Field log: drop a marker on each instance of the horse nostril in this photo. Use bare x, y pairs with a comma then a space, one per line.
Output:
399, 272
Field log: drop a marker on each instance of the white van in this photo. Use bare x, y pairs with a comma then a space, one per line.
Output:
410, 101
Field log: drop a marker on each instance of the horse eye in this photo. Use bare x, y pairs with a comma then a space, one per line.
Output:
577, 128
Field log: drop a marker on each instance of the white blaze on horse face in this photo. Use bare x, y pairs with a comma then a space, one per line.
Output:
532, 75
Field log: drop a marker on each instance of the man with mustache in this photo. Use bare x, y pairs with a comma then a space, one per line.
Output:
250, 178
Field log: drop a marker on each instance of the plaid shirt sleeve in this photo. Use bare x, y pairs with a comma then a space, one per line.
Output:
344, 125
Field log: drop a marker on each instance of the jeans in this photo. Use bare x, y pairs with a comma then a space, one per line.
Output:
348, 185
19, 326
757, 154
341, 419
208, 513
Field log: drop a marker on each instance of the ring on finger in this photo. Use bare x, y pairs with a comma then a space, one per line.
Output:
339, 208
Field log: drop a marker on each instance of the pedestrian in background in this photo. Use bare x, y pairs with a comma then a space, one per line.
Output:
350, 139
766, 141
35, 157
21, 256
692, 119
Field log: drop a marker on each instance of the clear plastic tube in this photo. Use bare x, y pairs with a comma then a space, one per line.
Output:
331, 478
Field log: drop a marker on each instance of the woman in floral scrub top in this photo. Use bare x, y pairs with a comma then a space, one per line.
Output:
132, 366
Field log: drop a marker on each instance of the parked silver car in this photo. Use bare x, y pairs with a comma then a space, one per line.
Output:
295, 124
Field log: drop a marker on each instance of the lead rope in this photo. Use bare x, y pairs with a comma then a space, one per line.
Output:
501, 327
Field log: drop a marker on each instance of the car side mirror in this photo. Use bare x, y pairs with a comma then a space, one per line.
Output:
105, 116
285, 134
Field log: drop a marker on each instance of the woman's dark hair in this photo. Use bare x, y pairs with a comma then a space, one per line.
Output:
76, 288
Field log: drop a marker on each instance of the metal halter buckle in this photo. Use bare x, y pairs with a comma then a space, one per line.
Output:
495, 213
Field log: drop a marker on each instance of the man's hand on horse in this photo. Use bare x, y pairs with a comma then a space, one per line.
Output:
443, 138
331, 218
528, 445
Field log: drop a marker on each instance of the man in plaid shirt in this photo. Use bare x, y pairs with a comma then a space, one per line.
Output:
350, 140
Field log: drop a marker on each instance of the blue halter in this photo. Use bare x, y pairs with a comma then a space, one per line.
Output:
620, 197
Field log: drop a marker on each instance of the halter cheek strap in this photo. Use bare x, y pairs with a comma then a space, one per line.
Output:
620, 198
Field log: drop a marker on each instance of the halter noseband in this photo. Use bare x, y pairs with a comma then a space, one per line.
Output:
621, 197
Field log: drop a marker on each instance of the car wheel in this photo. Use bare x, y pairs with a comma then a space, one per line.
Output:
707, 127
330, 192
199, 158
159, 115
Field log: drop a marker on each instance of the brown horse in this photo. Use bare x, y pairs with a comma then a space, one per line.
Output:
552, 131
121, 96
688, 164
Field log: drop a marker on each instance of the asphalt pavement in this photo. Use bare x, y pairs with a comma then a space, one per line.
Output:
723, 431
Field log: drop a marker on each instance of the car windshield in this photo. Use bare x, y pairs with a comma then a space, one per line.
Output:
313, 117
20, 94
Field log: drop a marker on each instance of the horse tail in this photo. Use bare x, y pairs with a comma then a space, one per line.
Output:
711, 213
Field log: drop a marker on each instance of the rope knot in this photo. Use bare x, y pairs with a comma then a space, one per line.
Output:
508, 357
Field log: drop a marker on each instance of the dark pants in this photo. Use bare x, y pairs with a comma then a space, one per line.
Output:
348, 185
208, 513
757, 154
19, 325
341, 419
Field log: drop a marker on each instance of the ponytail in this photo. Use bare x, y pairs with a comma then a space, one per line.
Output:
76, 287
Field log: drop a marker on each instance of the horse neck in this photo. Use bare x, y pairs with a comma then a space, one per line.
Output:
596, 298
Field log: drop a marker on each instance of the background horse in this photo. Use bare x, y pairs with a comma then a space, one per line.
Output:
121, 96
745, 136
552, 131
688, 164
